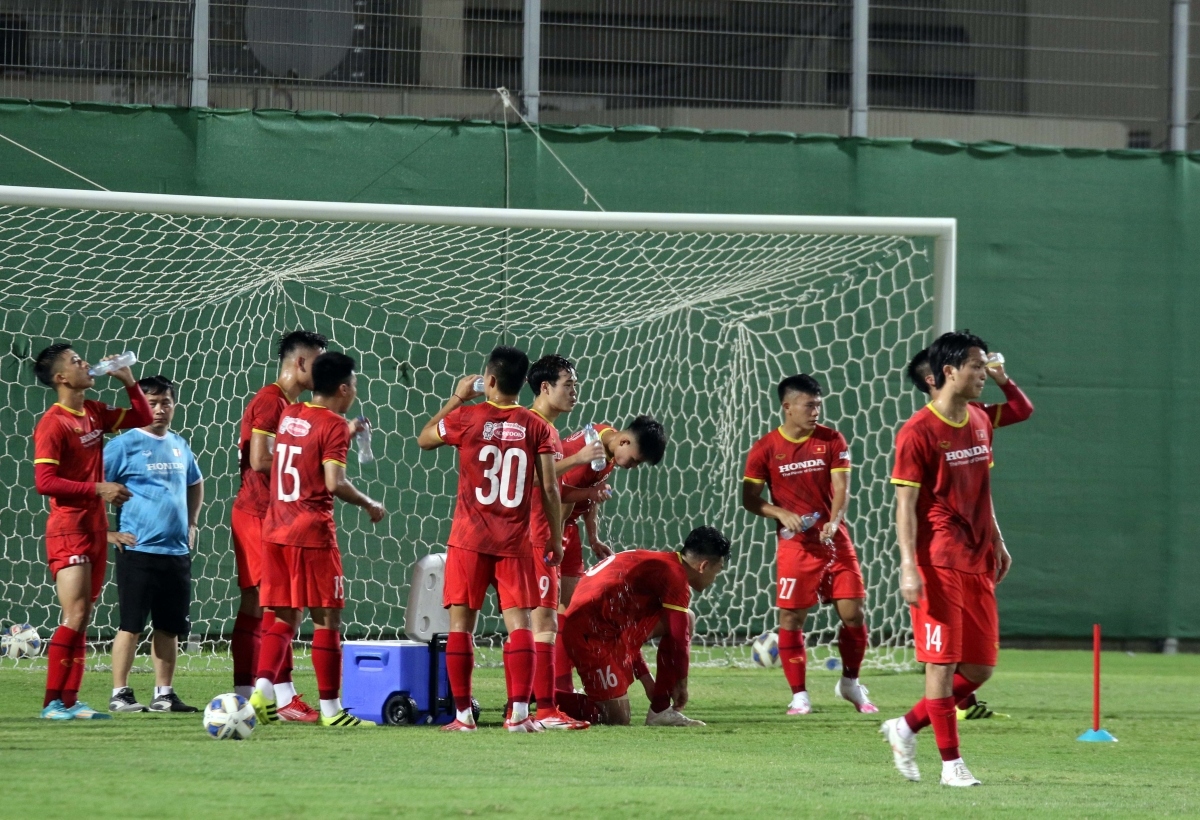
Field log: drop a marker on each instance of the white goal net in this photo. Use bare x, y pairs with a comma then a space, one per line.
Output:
693, 319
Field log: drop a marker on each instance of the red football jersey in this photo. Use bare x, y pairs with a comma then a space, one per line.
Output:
498, 446
950, 463
622, 597
300, 512
798, 474
583, 476
75, 442
539, 526
261, 416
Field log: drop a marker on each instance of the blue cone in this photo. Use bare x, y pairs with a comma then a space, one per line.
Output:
1097, 736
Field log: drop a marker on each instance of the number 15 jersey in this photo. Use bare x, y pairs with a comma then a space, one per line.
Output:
498, 446
300, 509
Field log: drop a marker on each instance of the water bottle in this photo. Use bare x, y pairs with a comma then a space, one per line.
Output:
363, 439
478, 386
590, 436
807, 522
126, 359
995, 359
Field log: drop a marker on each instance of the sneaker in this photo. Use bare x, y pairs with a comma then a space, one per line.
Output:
344, 719
529, 725
81, 711
979, 711
458, 726
856, 693
170, 702
958, 775
297, 711
670, 717
55, 710
264, 709
124, 701
904, 751
554, 719
800, 704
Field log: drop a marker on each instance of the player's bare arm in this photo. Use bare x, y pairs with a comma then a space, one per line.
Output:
121, 540
906, 534
840, 482
753, 501
464, 391
339, 485
262, 452
591, 525
552, 505
589, 452
597, 493
1003, 558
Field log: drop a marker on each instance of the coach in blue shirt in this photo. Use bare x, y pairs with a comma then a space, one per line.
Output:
155, 532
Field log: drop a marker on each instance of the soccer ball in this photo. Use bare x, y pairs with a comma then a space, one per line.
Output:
21, 641
229, 717
765, 650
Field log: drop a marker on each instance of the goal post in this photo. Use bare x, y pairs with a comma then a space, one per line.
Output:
691, 317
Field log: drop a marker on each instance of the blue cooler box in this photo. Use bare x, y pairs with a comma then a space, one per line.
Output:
388, 682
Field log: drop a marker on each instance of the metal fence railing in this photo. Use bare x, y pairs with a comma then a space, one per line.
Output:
1081, 72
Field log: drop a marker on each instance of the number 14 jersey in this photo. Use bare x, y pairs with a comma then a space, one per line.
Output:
498, 446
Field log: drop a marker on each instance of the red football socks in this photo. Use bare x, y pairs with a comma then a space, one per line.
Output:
460, 664
327, 662
563, 681
918, 717
247, 635
70, 692
852, 645
794, 657
543, 676
276, 644
59, 662
520, 654
945, 726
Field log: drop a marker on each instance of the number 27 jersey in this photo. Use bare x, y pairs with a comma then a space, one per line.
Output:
498, 446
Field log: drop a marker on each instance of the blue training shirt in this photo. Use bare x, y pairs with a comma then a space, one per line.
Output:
157, 471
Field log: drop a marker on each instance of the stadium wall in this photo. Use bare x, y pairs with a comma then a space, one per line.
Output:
1080, 264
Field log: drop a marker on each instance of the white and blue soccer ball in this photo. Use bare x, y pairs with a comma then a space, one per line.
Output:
229, 717
21, 641
765, 650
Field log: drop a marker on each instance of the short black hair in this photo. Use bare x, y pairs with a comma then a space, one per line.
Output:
706, 542
918, 369
651, 438
330, 371
951, 349
301, 338
800, 383
509, 365
154, 385
45, 362
549, 368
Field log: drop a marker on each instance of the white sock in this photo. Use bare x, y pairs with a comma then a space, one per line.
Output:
520, 711
851, 681
904, 730
284, 692
118, 690
329, 708
796, 696
244, 691
465, 716
948, 765
266, 689
159, 691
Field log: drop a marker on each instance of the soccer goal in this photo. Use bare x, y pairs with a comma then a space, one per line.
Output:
691, 317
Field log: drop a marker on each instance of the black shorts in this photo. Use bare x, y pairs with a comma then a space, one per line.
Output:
156, 585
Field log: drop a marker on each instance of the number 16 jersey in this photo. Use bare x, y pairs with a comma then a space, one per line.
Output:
498, 446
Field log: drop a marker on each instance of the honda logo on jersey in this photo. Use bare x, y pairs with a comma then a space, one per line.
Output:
290, 425
503, 430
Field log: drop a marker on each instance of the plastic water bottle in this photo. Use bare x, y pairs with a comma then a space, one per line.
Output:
995, 359
363, 439
807, 522
478, 386
591, 436
126, 359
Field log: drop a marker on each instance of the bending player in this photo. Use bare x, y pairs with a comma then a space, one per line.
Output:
68, 459
806, 466
644, 441
951, 552
256, 442
502, 447
624, 601
302, 565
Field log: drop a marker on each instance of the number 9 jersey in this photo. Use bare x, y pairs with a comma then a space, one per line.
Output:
498, 447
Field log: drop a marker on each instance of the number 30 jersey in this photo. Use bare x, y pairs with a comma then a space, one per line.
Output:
498, 446
300, 507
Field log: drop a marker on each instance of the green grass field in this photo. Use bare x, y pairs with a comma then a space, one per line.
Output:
751, 759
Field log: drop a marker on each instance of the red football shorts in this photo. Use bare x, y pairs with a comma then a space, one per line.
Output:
605, 665
956, 619
547, 583
572, 562
302, 577
803, 578
75, 548
247, 548
470, 573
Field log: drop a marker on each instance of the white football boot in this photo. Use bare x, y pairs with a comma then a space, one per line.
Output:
853, 691
956, 773
799, 704
904, 750
670, 717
